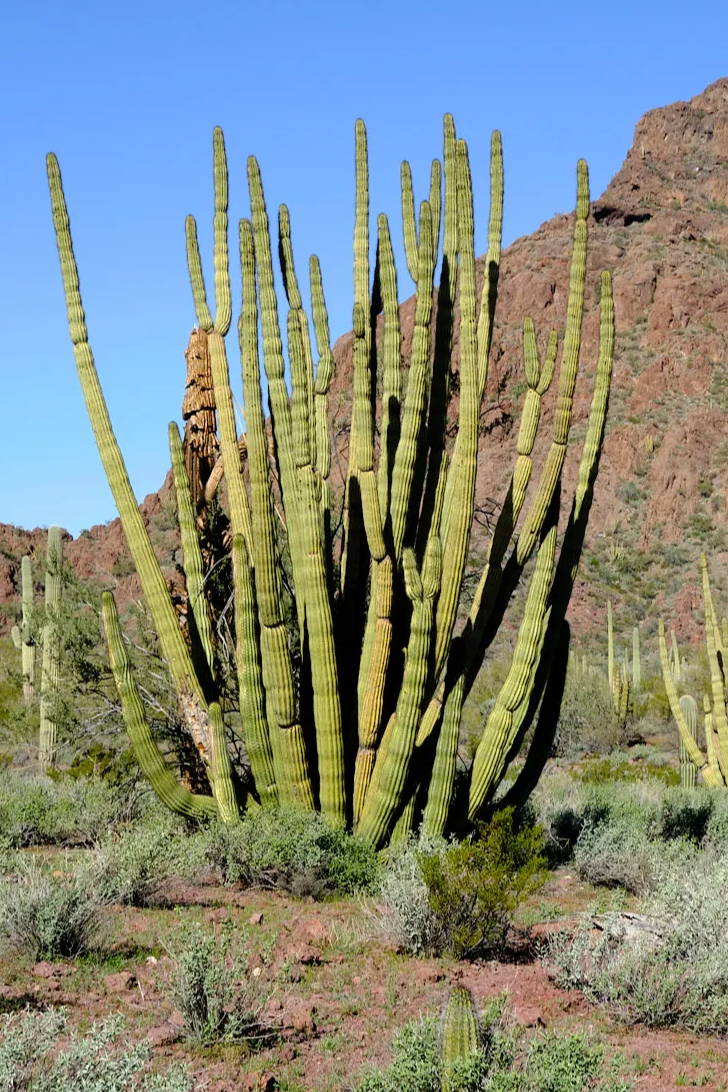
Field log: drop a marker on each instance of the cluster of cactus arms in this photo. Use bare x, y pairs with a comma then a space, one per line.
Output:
710, 761
353, 659
22, 635
24, 640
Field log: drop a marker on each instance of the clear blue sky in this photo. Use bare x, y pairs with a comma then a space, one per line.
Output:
127, 96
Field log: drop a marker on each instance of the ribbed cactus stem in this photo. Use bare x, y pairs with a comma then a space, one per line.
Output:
25, 641
51, 667
688, 769
460, 1036
636, 660
153, 766
697, 757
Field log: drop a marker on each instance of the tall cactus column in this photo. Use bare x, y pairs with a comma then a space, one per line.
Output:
51, 669
22, 635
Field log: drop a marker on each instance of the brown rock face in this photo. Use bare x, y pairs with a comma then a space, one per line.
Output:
661, 227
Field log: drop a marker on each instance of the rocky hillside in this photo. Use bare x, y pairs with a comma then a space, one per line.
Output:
661, 226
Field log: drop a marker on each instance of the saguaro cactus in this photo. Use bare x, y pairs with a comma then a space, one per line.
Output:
23, 635
351, 668
51, 666
688, 769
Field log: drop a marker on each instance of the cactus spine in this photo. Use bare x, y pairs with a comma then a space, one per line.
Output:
51, 666
351, 668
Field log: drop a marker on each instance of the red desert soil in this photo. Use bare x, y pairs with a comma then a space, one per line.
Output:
341, 994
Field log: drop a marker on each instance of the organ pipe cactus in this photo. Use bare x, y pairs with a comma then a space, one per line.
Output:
352, 669
711, 762
459, 1036
23, 635
688, 770
51, 665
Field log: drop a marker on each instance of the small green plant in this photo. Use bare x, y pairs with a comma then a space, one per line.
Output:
49, 915
220, 997
291, 850
39, 1053
131, 867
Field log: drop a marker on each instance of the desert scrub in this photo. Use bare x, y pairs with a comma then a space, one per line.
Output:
459, 899
675, 972
220, 996
38, 810
617, 854
507, 1061
132, 866
50, 915
38, 1053
291, 850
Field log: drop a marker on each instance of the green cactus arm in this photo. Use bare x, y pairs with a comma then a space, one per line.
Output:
324, 375
223, 783
152, 581
460, 1036
442, 780
293, 295
391, 768
16, 638
435, 199
610, 645
51, 665
25, 633
691, 746
415, 403
319, 621
711, 743
460, 490
492, 260
409, 223
688, 770
502, 723
717, 676
391, 363
161, 778
370, 716
636, 659
201, 635
551, 472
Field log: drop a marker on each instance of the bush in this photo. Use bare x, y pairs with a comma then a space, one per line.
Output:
686, 813
291, 850
459, 900
38, 810
507, 1062
49, 916
587, 720
619, 855
32, 1059
220, 998
676, 972
132, 867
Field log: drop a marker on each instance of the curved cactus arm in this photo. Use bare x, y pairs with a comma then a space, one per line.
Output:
259, 745
201, 635
154, 586
711, 743
161, 778
489, 293
370, 717
389, 778
691, 746
223, 781
51, 666
715, 663
503, 722
324, 375
459, 1036
293, 295
391, 361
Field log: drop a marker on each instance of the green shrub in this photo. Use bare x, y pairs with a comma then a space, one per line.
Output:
291, 850
597, 771
686, 813
38, 810
509, 1061
132, 866
587, 719
220, 997
459, 899
676, 972
39, 1054
49, 916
